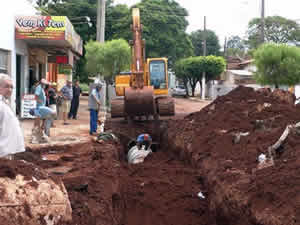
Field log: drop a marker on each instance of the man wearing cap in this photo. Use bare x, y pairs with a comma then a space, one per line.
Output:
67, 94
144, 140
94, 105
11, 136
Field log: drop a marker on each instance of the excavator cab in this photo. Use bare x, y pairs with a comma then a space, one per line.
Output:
158, 75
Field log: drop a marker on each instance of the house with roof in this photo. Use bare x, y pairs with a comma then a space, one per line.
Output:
239, 73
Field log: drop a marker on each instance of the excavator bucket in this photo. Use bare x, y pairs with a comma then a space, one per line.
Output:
137, 102
140, 101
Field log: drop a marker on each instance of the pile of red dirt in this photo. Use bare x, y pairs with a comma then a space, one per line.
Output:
238, 192
12, 168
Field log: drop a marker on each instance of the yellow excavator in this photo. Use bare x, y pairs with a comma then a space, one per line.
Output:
144, 90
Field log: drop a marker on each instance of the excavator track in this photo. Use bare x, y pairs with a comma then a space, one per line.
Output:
166, 106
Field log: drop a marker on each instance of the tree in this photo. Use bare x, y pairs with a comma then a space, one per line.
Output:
76, 10
277, 64
190, 69
212, 42
164, 24
118, 20
236, 46
107, 58
277, 30
236, 42
183, 72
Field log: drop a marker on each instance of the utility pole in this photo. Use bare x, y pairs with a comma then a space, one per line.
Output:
204, 54
225, 47
101, 21
101, 38
262, 21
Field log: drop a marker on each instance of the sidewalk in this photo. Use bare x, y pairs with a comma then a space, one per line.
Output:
77, 129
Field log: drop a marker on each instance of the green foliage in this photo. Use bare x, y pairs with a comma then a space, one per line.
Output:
191, 69
277, 64
164, 24
118, 20
108, 59
212, 42
236, 46
76, 10
213, 66
277, 30
236, 42
84, 87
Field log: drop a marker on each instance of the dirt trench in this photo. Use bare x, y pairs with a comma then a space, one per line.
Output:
196, 153
104, 189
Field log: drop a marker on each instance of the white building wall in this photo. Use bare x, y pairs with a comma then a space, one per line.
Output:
8, 12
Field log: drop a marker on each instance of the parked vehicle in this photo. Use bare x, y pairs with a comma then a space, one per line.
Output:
179, 91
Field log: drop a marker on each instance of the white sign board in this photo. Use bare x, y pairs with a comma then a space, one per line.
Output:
28, 102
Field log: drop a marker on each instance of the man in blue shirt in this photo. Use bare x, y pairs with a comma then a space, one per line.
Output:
67, 94
40, 93
40, 97
47, 115
94, 105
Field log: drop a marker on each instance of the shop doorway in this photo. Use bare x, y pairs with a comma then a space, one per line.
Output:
18, 83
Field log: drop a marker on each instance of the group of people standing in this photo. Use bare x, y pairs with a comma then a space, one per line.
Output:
51, 103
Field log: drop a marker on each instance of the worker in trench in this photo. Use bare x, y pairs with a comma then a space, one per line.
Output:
139, 149
11, 136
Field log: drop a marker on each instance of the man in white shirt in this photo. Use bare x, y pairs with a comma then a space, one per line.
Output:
11, 136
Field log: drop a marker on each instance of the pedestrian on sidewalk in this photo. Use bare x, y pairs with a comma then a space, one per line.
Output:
67, 94
94, 105
40, 97
75, 101
11, 136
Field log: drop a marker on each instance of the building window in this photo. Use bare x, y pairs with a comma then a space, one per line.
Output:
3, 61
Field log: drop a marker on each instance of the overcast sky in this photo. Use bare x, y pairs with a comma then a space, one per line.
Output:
231, 17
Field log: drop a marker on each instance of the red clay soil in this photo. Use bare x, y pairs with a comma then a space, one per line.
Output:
104, 189
12, 168
198, 153
239, 193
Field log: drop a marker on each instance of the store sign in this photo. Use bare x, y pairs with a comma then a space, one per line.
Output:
48, 28
28, 102
40, 27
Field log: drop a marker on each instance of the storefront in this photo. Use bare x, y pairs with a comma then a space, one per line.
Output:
49, 44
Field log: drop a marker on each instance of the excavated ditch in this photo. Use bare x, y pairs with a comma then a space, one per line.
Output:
197, 154
104, 189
